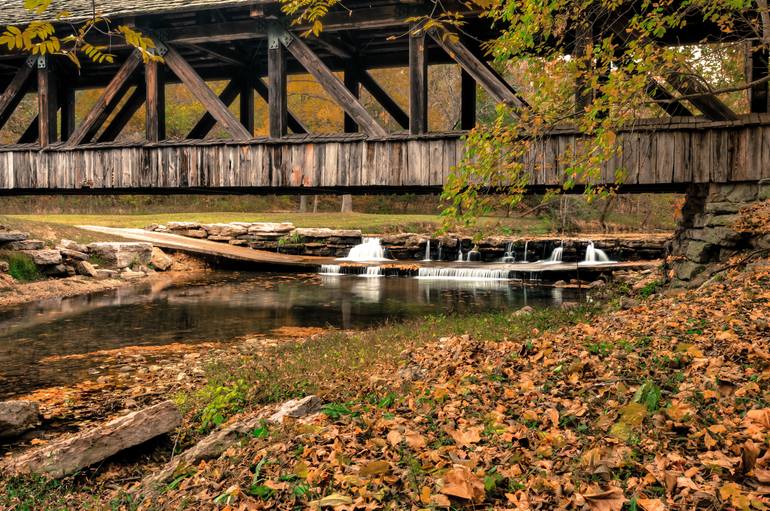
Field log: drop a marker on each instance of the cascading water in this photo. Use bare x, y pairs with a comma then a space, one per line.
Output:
372, 271
508, 257
369, 250
595, 255
555, 256
462, 274
427, 251
459, 255
330, 269
526, 248
440, 247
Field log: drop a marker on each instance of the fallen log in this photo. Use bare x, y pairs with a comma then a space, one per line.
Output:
70, 454
218, 441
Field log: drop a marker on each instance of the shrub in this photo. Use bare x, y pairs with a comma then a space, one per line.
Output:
22, 268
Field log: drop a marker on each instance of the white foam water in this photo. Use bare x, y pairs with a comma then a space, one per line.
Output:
463, 274
555, 256
330, 269
372, 271
369, 250
595, 255
427, 252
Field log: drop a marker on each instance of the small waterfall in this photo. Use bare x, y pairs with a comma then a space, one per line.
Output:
460, 255
508, 257
526, 248
462, 274
330, 269
372, 271
369, 250
440, 247
555, 256
427, 251
595, 255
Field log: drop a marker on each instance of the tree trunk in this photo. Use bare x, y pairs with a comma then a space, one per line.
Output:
315, 203
347, 203
303, 203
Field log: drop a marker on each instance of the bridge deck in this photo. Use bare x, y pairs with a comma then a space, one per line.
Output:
654, 155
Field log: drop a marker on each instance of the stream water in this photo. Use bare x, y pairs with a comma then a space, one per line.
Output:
223, 307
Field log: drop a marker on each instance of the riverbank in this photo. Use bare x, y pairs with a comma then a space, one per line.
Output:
657, 400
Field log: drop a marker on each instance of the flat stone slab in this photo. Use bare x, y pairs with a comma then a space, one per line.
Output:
83, 449
44, 257
324, 232
13, 236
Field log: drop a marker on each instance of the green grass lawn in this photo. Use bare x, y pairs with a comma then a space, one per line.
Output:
369, 223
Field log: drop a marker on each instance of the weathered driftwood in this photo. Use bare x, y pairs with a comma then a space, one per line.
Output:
83, 449
222, 439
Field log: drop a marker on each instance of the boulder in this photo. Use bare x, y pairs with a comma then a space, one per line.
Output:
56, 270
86, 268
103, 273
192, 233
182, 226
44, 257
122, 255
271, 228
6, 236
4, 266
159, 260
16, 417
296, 408
80, 450
224, 230
72, 254
73, 245
128, 274
524, 311
25, 245
324, 232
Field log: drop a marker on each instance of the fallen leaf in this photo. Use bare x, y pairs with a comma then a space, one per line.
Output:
651, 504
462, 483
374, 468
335, 499
608, 500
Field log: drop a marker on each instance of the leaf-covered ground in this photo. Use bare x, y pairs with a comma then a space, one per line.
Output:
665, 405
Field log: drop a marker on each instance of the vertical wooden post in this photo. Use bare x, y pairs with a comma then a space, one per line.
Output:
354, 86
67, 104
583, 39
756, 69
276, 85
418, 81
47, 101
155, 102
246, 95
467, 101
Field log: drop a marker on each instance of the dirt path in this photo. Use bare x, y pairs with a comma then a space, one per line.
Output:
210, 248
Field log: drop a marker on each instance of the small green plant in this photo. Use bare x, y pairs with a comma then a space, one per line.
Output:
22, 268
290, 239
336, 410
649, 395
650, 288
222, 402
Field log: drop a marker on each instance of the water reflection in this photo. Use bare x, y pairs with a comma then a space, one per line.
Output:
223, 307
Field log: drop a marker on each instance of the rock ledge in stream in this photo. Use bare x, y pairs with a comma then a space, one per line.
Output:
68, 455
16, 417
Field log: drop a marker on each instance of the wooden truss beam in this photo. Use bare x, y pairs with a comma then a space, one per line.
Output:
756, 69
699, 95
467, 101
277, 93
500, 90
204, 94
15, 90
418, 81
47, 102
353, 84
124, 115
294, 124
207, 122
107, 101
155, 94
331, 84
388, 103
666, 100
